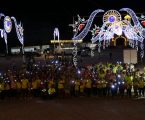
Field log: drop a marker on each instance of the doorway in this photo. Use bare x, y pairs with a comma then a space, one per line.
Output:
120, 41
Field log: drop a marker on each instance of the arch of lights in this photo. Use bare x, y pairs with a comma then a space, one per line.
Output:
56, 34
112, 25
8, 27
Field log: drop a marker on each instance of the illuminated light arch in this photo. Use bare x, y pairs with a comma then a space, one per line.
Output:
8, 27
19, 31
56, 35
83, 33
88, 25
135, 33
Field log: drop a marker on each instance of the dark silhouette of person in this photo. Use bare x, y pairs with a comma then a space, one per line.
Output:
110, 55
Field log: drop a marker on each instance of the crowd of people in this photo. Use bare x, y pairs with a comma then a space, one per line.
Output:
58, 79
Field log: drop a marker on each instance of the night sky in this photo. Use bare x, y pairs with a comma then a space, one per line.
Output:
40, 17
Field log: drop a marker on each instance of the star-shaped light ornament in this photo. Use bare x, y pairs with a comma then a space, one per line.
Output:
79, 24
80, 20
95, 30
142, 18
143, 23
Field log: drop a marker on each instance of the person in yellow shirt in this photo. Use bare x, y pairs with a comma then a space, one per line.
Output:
1, 90
94, 87
34, 87
82, 87
88, 86
141, 87
51, 92
61, 89
7, 87
136, 85
50, 83
25, 85
77, 88
13, 87
38, 86
19, 88
128, 82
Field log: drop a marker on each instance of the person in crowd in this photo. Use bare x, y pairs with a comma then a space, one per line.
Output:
25, 87
77, 87
1, 89
136, 85
141, 86
61, 87
88, 86
128, 81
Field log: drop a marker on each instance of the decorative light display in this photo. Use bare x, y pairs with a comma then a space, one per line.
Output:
65, 41
7, 24
84, 31
75, 60
3, 33
92, 47
112, 25
127, 17
56, 34
111, 16
143, 23
142, 19
8, 27
87, 23
19, 31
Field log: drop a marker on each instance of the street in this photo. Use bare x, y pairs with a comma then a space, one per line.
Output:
73, 109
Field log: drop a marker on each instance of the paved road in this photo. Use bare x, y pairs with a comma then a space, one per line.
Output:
74, 109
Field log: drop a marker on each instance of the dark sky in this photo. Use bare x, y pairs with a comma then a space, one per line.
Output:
40, 17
